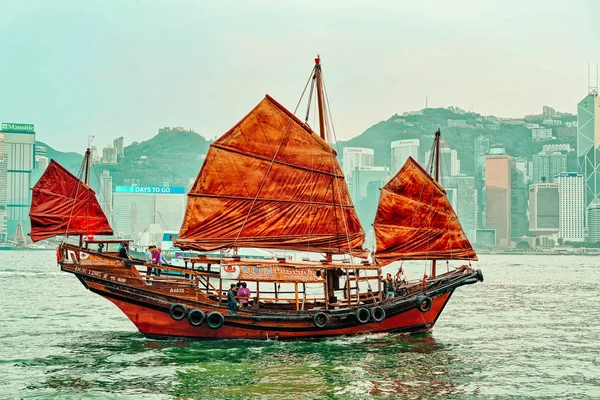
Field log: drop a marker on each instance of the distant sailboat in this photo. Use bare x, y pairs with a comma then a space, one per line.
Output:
269, 182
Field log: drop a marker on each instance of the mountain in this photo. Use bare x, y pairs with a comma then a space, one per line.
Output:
513, 134
71, 161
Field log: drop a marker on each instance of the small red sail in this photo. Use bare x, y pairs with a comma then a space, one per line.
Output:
61, 204
415, 220
271, 182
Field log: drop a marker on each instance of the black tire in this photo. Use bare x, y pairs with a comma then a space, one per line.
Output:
196, 317
424, 303
321, 319
362, 315
178, 311
479, 275
215, 320
378, 314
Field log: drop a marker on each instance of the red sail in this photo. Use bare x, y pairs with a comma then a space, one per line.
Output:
61, 204
415, 220
271, 182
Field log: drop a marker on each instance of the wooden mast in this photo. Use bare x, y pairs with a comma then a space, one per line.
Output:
323, 132
86, 178
438, 135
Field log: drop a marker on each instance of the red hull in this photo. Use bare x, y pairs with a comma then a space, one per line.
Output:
156, 323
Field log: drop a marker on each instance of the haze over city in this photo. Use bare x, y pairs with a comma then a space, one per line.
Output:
110, 69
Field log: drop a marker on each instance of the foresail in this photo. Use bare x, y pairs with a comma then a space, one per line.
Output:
270, 182
61, 204
415, 220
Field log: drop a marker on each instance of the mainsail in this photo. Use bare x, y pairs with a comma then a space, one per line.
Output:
61, 204
415, 220
271, 182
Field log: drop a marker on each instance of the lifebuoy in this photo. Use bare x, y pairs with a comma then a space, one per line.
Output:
362, 315
321, 319
423, 303
215, 320
196, 317
378, 314
178, 311
479, 275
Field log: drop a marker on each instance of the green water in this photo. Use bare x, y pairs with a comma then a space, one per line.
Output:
531, 330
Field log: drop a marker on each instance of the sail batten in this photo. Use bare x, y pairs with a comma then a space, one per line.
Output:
61, 204
415, 221
271, 182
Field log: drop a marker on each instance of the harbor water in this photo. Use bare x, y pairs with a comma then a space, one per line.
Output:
531, 330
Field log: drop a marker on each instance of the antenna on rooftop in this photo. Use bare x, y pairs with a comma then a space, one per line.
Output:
593, 90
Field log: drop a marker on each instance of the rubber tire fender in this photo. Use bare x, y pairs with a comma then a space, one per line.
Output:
178, 311
479, 275
424, 303
321, 319
378, 314
362, 315
196, 317
215, 324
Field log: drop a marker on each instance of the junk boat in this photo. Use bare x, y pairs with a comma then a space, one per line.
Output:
270, 182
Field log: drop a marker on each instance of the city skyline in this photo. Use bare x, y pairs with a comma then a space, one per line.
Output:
135, 69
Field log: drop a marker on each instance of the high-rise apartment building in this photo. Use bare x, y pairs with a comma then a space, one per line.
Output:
94, 155
498, 197
571, 206
19, 141
401, 150
356, 157
118, 145
109, 155
546, 165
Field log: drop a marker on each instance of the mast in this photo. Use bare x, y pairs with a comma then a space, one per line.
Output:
318, 74
329, 274
438, 135
86, 177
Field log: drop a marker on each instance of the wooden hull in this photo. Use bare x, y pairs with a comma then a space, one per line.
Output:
158, 324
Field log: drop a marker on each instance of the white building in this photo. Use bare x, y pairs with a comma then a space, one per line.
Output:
571, 206
540, 134
401, 150
106, 193
449, 162
357, 157
137, 208
109, 155
19, 142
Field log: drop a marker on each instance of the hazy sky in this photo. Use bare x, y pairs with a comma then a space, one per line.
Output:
127, 68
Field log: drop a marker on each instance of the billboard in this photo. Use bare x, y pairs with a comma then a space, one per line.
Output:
12, 127
150, 189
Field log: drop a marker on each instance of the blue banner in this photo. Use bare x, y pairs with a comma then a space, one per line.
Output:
150, 189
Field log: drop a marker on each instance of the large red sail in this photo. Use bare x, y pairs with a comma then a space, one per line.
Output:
61, 204
271, 182
415, 220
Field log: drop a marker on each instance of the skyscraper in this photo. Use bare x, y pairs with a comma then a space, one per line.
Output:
464, 201
588, 145
547, 164
356, 157
544, 209
498, 197
3, 189
118, 144
481, 148
19, 140
571, 206
518, 201
106, 193
401, 150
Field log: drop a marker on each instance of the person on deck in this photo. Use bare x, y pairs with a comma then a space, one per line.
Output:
124, 251
231, 301
100, 247
156, 260
163, 260
149, 260
389, 287
244, 291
